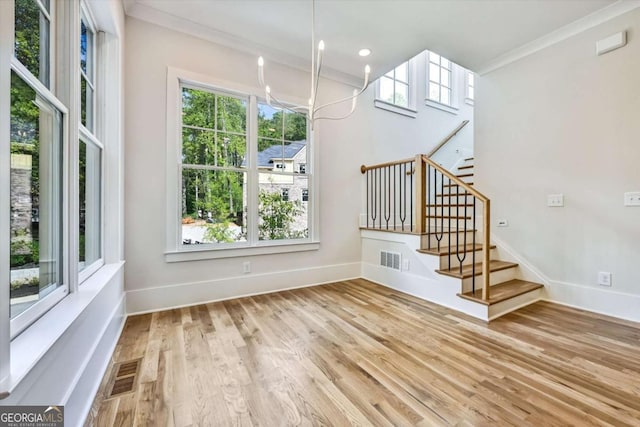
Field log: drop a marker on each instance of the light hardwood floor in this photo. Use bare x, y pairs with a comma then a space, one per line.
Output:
357, 353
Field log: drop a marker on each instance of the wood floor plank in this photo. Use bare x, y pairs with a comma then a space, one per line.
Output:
356, 353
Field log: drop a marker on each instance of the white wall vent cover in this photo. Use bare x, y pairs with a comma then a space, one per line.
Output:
390, 260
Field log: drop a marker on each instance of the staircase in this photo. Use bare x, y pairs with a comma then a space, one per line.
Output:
450, 220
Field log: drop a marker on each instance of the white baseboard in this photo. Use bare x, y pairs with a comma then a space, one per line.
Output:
597, 300
91, 374
188, 294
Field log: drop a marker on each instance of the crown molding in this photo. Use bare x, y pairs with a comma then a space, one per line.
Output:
182, 25
583, 24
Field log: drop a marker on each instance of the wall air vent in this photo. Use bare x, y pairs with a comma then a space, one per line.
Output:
390, 260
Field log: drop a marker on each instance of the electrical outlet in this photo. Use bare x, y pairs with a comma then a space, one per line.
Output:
555, 200
604, 278
246, 267
503, 223
632, 198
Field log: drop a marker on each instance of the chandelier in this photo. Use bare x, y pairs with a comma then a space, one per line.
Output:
313, 110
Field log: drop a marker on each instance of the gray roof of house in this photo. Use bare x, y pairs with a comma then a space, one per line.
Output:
266, 156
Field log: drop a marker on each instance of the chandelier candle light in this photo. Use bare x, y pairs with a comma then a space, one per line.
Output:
316, 67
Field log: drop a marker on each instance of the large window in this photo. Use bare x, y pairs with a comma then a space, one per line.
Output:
240, 185
471, 87
89, 156
394, 86
440, 79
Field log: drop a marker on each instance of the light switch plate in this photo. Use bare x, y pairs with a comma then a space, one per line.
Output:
604, 278
555, 200
632, 198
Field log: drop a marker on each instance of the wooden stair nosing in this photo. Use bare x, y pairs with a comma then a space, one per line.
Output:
454, 194
453, 231
450, 205
494, 265
465, 167
464, 175
447, 217
468, 159
502, 291
445, 249
457, 185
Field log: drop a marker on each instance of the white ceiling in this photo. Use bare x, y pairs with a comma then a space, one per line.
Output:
473, 33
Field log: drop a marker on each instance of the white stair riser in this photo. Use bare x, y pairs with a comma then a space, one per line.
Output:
495, 278
515, 303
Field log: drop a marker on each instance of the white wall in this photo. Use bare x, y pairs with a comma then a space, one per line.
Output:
564, 120
394, 136
150, 50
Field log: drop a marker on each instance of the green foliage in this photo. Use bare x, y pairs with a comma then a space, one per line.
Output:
285, 126
27, 35
24, 252
278, 216
219, 233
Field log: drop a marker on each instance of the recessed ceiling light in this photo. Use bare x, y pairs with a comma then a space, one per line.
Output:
364, 52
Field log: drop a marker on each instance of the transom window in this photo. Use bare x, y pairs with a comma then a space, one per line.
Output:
393, 87
471, 87
439, 79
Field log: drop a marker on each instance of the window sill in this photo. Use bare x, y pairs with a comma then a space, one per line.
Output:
409, 112
469, 101
33, 344
218, 253
440, 106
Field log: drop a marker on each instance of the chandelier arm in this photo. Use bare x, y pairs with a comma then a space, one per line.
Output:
281, 105
339, 101
317, 81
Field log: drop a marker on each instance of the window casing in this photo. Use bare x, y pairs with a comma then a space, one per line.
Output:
395, 91
240, 205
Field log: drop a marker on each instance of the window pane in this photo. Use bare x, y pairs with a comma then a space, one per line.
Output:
445, 96
434, 92
471, 79
445, 63
213, 206
281, 219
282, 156
198, 108
90, 198
270, 122
210, 148
471, 93
386, 89
295, 126
36, 197
402, 73
434, 73
86, 104
402, 95
434, 57
32, 39
446, 78
232, 114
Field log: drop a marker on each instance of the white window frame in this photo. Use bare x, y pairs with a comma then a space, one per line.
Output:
469, 83
24, 342
175, 250
452, 107
410, 110
92, 138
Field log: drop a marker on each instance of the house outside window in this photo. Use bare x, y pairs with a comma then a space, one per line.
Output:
305, 195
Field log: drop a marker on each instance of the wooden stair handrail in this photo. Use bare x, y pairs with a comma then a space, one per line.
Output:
447, 138
364, 168
486, 223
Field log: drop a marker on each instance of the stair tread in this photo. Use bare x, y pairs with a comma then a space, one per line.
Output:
454, 194
468, 159
464, 175
503, 291
465, 167
467, 271
445, 249
457, 185
433, 230
447, 205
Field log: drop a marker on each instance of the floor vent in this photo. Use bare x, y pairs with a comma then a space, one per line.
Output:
390, 260
125, 377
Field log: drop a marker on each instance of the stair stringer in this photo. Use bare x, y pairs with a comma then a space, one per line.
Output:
420, 280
